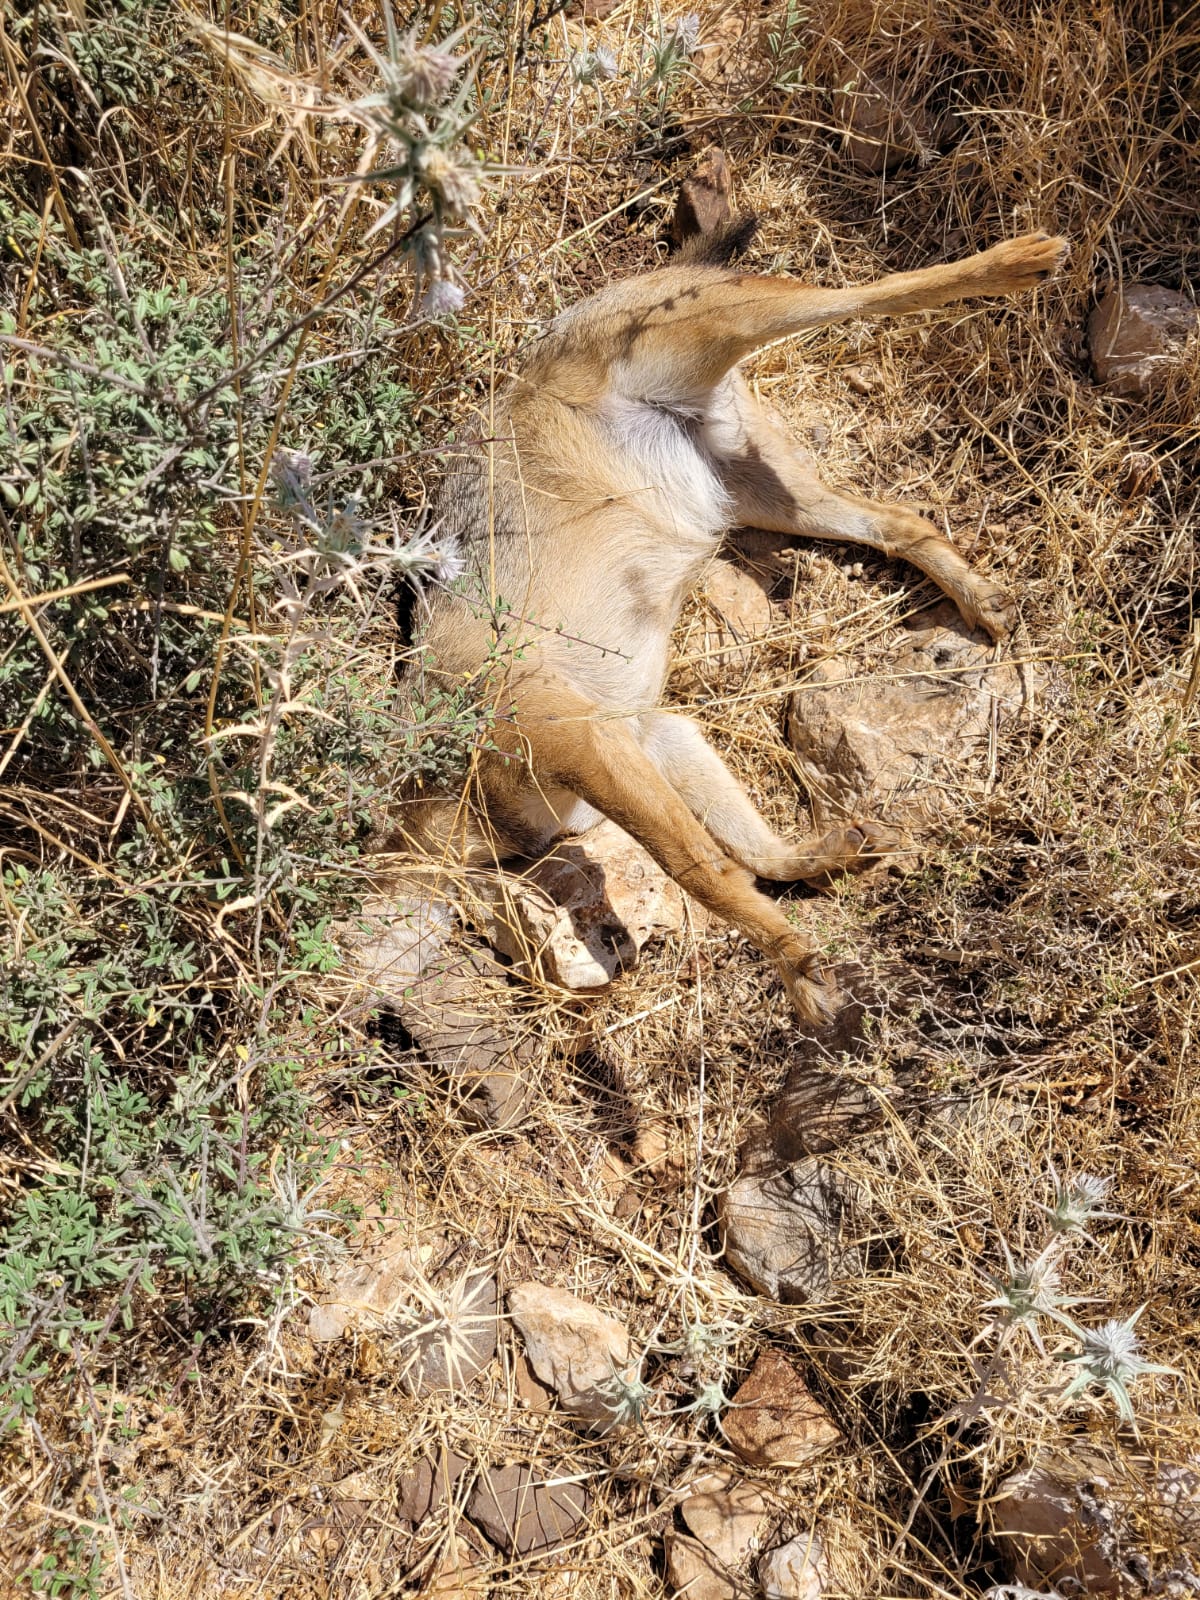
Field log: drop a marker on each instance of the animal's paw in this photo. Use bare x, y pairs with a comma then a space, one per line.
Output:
1015, 265
863, 844
815, 997
986, 605
854, 848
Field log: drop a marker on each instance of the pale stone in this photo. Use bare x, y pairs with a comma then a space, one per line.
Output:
573, 1347
1138, 334
454, 1015
359, 1486
793, 1571
584, 912
370, 1287
725, 1514
903, 742
394, 939
785, 1232
1052, 1532
735, 612
693, 1572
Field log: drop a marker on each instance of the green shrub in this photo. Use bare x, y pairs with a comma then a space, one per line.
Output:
148, 1009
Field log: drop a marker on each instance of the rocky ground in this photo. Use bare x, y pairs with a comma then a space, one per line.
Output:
649, 1291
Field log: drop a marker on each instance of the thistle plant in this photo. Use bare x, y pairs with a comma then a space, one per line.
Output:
1108, 1356
674, 48
417, 123
337, 544
1028, 1291
1077, 1203
593, 66
703, 1349
626, 1396
709, 1400
1108, 1359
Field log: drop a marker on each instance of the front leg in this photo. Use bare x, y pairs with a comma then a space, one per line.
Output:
775, 486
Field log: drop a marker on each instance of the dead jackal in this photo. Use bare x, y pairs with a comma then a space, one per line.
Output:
626, 447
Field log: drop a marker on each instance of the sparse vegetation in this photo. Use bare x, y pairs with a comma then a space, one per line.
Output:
253, 285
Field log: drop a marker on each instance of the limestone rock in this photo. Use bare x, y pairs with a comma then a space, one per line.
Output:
372, 1286
733, 612
785, 1232
462, 1573
359, 1490
1138, 334
793, 1571
522, 1514
1054, 1530
703, 201
531, 1393
725, 1515
737, 611
582, 913
903, 746
423, 1488
448, 1335
882, 130
693, 1572
394, 939
774, 1421
452, 1015
1076, 1520
572, 1346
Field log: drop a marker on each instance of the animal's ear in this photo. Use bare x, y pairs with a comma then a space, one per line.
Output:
721, 246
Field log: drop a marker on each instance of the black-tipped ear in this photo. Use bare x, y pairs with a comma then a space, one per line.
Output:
721, 246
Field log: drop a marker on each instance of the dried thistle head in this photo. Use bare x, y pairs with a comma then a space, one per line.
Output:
422, 75
452, 179
444, 1335
593, 66
675, 46
442, 298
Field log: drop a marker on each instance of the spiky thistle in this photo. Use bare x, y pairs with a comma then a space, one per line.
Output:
1077, 1202
626, 1396
1027, 1291
1109, 1359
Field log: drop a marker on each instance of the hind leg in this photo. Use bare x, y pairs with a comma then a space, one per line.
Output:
713, 795
774, 486
552, 734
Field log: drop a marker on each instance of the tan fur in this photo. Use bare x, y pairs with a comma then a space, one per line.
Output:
626, 448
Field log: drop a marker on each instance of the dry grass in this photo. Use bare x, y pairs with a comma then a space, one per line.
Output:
1047, 938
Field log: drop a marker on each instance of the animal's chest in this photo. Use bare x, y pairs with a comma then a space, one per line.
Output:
666, 471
